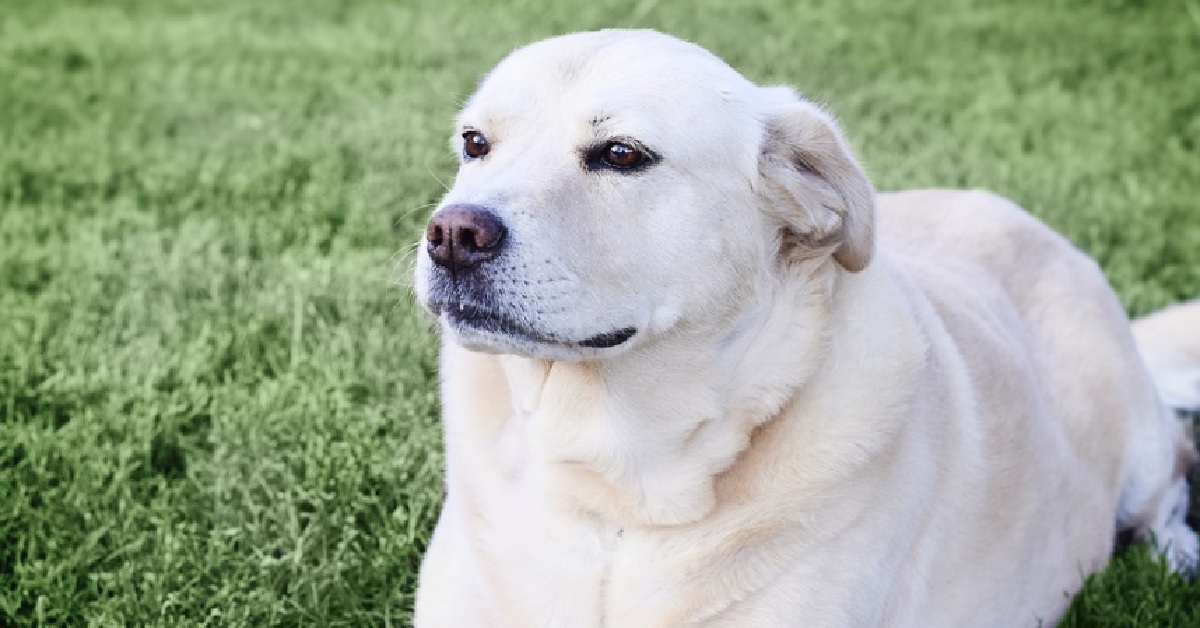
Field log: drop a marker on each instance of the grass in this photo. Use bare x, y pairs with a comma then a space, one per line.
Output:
218, 408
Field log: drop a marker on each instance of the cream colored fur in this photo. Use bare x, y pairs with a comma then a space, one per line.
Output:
1170, 342
839, 409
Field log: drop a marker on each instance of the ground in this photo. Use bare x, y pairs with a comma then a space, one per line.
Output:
217, 399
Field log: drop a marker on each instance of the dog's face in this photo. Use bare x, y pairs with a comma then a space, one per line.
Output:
617, 186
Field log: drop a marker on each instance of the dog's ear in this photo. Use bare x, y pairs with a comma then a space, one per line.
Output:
815, 185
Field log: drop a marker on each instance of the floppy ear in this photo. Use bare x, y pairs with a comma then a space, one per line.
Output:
817, 188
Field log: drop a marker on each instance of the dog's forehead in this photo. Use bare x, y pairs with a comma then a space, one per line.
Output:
633, 76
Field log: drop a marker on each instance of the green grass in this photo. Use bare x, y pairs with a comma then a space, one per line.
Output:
218, 405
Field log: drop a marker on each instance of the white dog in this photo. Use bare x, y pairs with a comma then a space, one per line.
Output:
695, 372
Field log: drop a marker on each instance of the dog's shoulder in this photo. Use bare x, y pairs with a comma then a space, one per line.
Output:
981, 232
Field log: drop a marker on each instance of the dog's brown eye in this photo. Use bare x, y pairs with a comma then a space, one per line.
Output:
475, 145
626, 156
623, 156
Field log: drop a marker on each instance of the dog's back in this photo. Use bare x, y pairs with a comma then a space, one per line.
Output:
1081, 350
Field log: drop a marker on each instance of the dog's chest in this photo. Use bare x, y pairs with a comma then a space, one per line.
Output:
573, 571
562, 570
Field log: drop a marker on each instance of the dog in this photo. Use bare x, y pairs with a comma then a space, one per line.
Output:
696, 372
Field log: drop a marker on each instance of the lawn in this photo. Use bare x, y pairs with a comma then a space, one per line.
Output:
217, 399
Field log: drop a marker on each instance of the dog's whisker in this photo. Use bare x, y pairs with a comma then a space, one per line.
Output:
445, 188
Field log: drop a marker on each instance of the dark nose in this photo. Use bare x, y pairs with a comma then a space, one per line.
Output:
463, 236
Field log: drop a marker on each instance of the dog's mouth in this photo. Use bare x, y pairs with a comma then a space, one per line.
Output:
466, 316
608, 340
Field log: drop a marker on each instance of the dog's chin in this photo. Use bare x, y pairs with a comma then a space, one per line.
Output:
486, 333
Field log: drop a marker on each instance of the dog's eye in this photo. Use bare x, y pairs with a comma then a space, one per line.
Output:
622, 156
475, 145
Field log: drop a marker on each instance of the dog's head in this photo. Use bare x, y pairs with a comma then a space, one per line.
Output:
621, 185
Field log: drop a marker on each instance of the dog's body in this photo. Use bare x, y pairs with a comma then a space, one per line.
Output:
720, 406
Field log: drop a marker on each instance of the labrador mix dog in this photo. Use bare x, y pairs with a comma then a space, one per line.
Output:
696, 372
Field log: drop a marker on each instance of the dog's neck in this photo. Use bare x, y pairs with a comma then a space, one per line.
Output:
640, 439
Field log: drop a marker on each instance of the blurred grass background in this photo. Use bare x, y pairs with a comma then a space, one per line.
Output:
218, 404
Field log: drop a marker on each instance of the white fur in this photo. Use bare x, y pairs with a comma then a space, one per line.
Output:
933, 416
1170, 343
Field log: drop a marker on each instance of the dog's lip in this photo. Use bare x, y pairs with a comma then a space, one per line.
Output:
487, 320
490, 321
609, 339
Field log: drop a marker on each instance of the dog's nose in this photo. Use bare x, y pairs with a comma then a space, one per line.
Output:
463, 236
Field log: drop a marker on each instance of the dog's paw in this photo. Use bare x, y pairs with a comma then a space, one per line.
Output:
1172, 537
1181, 549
